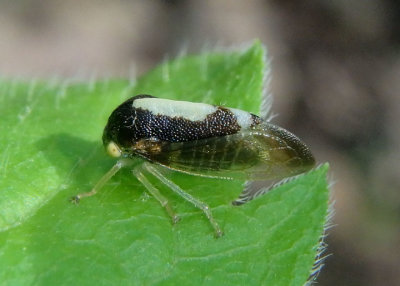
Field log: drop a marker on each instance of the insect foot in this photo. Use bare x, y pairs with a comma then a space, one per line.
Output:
175, 219
218, 233
75, 200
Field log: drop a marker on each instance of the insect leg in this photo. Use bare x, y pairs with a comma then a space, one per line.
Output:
102, 181
197, 203
252, 190
156, 194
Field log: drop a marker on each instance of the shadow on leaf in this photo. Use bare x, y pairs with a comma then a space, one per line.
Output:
77, 160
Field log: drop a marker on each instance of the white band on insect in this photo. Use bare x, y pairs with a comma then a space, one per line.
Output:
172, 108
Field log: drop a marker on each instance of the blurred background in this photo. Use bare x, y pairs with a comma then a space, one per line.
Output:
335, 81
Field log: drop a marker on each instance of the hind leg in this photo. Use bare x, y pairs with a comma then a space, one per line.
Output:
137, 172
197, 203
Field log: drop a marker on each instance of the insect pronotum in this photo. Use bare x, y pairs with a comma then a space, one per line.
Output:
198, 139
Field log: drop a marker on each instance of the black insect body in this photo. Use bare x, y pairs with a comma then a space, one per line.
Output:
199, 139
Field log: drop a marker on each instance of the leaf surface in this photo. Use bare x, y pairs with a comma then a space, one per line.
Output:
51, 149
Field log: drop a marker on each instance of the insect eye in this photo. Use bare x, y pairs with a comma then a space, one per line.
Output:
113, 150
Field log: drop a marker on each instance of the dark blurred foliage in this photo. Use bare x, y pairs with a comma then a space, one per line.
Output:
335, 81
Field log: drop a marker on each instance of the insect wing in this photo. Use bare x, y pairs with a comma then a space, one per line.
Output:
260, 153
223, 156
281, 154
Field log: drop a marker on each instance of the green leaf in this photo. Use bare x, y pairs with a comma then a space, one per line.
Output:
51, 149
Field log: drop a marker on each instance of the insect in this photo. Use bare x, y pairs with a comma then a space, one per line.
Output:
198, 139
